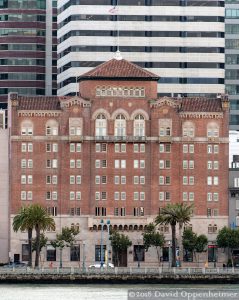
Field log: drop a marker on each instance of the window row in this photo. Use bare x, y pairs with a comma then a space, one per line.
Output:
26, 179
212, 180
137, 211
75, 179
212, 197
75, 147
108, 91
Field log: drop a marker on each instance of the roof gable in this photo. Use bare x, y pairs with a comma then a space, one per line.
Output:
118, 69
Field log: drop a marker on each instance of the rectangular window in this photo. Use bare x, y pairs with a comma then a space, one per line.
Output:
117, 163
23, 163
97, 163
54, 195
72, 179
215, 165
78, 147
117, 179
29, 179
136, 148
167, 164
78, 195
103, 163
29, 147
103, 195
117, 147
209, 196
97, 147
209, 149
216, 149
191, 196
142, 148
54, 147
48, 147
123, 196
191, 180
72, 147
136, 164
167, 196
123, 148
161, 196
191, 148
142, 196
123, 211
30, 163
185, 196
142, 179
116, 195
103, 179
123, 164
72, 195
136, 179
116, 211
161, 148
78, 163
185, 164
209, 165
48, 179
215, 180
54, 179
24, 147
161, 164
167, 180
97, 196
236, 182
98, 255
142, 164
136, 195
78, 179
54, 163
185, 180
123, 179
97, 179
23, 195
209, 180
185, 148
167, 148
23, 179
215, 197
48, 195
161, 180
191, 164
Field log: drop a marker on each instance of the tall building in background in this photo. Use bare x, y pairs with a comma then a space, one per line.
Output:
27, 48
182, 41
232, 59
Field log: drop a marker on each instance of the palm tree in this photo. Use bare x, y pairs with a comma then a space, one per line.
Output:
184, 214
173, 214
42, 221
23, 221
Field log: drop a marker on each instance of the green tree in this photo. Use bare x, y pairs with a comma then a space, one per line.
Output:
119, 243
152, 238
194, 243
41, 221
229, 239
65, 239
24, 221
173, 214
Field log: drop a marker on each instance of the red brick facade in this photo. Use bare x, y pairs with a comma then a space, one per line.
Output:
183, 157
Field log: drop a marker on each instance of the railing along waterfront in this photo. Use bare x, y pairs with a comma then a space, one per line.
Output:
119, 271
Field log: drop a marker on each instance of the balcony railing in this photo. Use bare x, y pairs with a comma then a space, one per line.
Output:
75, 138
165, 139
111, 138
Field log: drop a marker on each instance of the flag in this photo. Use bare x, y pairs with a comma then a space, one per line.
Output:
113, 10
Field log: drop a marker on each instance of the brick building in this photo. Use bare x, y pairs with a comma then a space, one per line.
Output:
118, 153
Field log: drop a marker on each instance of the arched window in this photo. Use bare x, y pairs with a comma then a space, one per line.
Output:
120, 125
188, 129
101, 125
52, 127
27, 128
139, 125
212, 130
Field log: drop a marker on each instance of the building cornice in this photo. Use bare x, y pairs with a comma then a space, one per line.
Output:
38, 113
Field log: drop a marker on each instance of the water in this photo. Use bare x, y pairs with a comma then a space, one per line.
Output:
101, 292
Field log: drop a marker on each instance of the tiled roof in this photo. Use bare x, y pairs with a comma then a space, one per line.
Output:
38, 103
200, 104
115, 68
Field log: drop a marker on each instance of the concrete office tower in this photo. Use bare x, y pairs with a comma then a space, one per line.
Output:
182, 41
232, 60
27, 48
